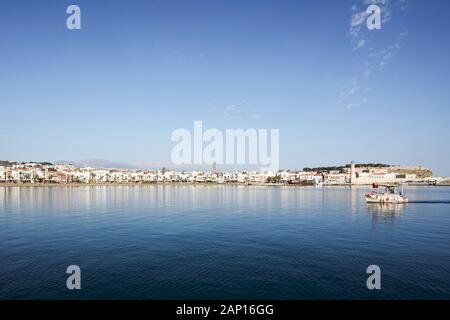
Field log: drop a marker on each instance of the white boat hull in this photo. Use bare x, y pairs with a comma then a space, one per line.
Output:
385, 198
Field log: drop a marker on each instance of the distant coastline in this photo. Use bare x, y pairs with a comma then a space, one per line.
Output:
135, 184
212, 184
365, 174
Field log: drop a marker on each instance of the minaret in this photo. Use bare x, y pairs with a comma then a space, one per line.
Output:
352, 173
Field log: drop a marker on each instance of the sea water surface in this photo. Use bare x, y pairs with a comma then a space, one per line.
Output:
230, 242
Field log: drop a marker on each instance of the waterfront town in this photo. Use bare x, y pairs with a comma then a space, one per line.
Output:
38, 173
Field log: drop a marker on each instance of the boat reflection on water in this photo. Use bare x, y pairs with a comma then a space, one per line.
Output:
385, 211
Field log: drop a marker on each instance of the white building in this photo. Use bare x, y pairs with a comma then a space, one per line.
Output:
3, 173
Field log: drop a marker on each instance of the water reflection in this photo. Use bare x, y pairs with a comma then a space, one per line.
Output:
185, 241
386, 212
193, 198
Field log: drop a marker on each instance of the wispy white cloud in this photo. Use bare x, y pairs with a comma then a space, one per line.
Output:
361, 43
240, 112
403, 4
255, 116
355, 95
376, 60
349, 91
358, 31
356, 104
231, 108
232, 112
357, 21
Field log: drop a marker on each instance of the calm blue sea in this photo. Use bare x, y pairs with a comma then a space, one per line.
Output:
232, 242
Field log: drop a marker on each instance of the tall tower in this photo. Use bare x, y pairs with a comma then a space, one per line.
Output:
352, 173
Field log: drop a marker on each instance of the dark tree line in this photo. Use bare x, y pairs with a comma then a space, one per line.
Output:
341, 168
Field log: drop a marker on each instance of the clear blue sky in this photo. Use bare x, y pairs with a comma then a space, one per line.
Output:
137, 70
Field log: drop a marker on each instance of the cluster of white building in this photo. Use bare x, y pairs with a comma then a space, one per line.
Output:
382, 175
65, 174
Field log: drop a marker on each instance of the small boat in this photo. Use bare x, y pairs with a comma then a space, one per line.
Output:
389, 195
302, 183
